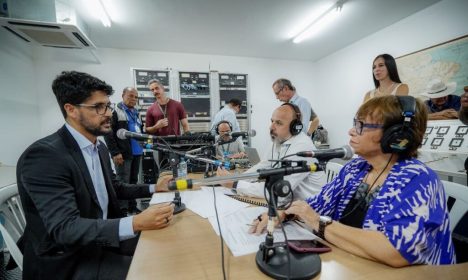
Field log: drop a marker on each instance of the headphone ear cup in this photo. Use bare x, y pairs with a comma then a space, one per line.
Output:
295, 127
397, 139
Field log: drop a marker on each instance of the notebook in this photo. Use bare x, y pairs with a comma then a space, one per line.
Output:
253, 155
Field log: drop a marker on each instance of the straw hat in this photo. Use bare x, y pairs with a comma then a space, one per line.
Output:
436, 89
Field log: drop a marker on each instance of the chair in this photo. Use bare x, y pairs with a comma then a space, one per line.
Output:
332, 169
457, 203
459, 193
13, 228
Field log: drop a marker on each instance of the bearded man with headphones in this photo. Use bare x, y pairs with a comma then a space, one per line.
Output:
384, 205
287, 139
232, 149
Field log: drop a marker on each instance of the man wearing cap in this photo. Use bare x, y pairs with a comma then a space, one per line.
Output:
442, 104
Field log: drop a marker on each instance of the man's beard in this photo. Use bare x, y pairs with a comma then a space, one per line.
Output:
95, 130
275, 139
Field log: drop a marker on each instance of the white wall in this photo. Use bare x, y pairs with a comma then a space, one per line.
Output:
344, 77
19, 112
335, 85
115, 64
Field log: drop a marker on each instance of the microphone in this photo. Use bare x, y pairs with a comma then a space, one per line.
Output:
345, 152
125, 134
302, 167
250, 133
180, 185
225, 164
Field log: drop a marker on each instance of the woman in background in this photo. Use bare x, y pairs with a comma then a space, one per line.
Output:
386, 78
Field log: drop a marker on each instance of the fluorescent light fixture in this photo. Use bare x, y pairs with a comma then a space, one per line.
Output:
320, 22
98, 8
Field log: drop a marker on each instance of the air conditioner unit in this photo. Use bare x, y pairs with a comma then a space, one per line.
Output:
48, 34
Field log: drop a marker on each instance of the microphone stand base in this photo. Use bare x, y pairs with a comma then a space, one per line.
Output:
179, 208
303, 265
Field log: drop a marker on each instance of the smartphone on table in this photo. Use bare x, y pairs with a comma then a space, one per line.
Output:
308, 246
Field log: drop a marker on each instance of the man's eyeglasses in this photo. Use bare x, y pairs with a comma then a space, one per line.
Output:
278, 92
101, 108
360, 125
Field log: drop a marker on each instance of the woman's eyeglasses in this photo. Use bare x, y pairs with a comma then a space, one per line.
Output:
360, 125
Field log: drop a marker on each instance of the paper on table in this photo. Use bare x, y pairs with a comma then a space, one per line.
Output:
201, 201
235, 231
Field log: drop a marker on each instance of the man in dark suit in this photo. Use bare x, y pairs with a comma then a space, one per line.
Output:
75, 229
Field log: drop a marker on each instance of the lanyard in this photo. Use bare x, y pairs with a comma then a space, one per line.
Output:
165, 107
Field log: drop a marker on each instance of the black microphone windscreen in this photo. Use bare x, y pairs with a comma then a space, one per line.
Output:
349, 152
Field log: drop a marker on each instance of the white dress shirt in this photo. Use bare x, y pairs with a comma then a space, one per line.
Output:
304, 185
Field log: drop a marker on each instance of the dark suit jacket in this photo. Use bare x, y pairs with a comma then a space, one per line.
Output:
65, 230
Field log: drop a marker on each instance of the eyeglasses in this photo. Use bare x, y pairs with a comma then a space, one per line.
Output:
360, 125
101, 108
278, 92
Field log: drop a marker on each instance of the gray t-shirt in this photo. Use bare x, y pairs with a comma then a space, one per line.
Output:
230, 148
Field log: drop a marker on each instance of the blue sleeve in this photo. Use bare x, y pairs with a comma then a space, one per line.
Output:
126, 228
417, 224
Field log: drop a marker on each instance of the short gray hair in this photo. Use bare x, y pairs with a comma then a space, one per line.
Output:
127, 89
152, 81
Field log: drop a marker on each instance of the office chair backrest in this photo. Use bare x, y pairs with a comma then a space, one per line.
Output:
15, 222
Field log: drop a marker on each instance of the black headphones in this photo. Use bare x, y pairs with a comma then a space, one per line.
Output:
295, 127
398, 138
217, 126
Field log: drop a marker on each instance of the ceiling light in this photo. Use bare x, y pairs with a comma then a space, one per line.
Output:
100, 12
318, 23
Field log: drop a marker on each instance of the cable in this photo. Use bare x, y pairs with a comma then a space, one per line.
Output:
220, 233
285, 238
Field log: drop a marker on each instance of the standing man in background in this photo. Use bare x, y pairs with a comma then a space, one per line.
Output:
286, 92
126, 153
165, 115
228, 113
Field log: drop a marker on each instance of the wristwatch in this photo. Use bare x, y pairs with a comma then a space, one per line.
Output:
324, 221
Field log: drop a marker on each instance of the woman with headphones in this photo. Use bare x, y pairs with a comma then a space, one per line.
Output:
384, 205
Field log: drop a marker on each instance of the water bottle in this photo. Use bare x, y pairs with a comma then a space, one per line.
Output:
182, 169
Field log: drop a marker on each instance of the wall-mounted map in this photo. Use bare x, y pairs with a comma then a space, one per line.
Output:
447, 61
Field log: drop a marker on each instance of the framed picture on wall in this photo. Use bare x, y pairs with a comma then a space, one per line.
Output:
447, 61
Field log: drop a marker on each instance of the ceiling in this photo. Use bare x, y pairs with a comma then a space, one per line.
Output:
252, 28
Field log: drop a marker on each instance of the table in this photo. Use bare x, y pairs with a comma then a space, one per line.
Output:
190, 249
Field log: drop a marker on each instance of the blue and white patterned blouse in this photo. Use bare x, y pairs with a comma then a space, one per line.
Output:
410, 209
